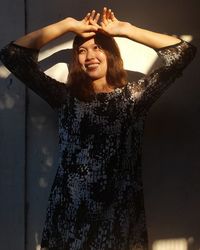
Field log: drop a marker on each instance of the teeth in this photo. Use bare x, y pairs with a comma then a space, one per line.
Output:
91, 66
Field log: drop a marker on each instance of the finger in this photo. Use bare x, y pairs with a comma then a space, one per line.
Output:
104, 10
108, 14
93, 28
96, 19
86, 18
93, 14
104, 19
112, 16
103, 26
94, 23
88, 34
104, 14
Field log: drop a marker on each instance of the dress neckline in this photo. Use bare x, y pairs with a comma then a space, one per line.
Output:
105, 96
114, 92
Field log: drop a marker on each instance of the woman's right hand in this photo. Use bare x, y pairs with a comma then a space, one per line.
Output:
87, 27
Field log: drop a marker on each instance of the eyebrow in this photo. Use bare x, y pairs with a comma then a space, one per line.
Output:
82, 46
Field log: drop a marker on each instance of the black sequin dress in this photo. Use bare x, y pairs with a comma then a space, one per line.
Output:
96, 201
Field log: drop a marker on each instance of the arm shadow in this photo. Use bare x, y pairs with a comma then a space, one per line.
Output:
61, 56
65, 56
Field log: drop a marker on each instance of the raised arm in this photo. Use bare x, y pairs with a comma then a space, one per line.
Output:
175, 54
112, 26
20, 56
41, 37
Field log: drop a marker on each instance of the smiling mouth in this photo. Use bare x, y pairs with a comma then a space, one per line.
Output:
91, 66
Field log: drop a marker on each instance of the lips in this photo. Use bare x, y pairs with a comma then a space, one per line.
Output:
92, 66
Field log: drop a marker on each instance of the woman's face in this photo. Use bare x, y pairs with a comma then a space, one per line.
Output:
93, 60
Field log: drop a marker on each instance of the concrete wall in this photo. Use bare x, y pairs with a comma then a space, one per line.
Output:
12, 137
28, 126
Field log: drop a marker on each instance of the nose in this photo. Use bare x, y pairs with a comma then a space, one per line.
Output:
90, 54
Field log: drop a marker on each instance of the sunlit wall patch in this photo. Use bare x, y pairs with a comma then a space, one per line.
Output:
187, 38
4, 72
172, 244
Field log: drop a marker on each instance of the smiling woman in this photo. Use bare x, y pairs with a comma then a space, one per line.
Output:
93, 61
96, 201
94, 76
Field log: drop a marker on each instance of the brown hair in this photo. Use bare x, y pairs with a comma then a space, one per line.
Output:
80, 82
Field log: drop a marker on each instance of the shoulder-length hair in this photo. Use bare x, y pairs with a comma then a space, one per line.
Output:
80, 83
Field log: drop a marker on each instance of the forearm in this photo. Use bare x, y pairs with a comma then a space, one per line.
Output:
148, 38
39, 38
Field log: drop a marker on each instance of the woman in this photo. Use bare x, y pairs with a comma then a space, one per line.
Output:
96, 200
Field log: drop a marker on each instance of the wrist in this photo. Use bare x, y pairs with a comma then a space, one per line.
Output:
72, 25
67, 24
129, 30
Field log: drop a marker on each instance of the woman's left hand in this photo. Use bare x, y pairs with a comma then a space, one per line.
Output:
111, 25
87, 27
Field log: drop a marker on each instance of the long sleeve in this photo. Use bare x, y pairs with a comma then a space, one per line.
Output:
22, 62
149, 88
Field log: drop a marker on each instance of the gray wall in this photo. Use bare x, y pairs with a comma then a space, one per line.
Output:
28, 137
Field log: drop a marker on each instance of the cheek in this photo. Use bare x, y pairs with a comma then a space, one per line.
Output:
81, 59
102, 56
103, 59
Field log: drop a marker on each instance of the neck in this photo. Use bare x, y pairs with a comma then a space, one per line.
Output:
101, 85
